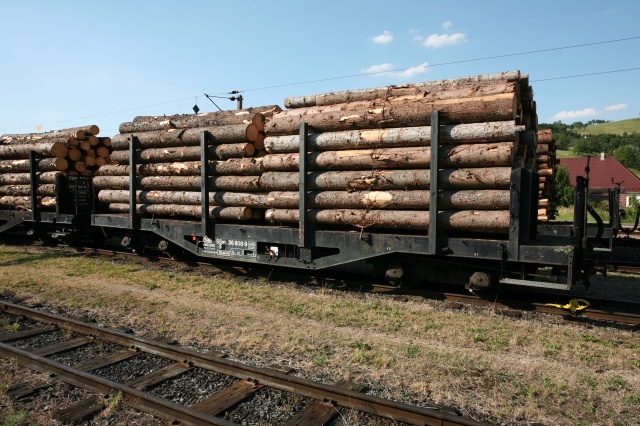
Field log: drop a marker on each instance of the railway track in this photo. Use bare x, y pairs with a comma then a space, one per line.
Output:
244, 381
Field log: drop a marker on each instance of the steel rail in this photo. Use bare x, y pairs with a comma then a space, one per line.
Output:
141, 400
268, 377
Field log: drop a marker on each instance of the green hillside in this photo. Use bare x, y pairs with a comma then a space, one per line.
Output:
616, 128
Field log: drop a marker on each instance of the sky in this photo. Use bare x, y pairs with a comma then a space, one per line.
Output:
70, 63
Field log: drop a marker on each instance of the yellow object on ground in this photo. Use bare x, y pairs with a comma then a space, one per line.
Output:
574, 305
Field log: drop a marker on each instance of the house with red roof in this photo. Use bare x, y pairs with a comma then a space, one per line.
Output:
605, 172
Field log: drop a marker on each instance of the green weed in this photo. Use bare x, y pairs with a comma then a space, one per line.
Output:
616, 383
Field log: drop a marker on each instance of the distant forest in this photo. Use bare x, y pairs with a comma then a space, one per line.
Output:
625, 148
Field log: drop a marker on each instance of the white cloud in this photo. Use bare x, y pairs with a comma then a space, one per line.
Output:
379, 68
617, 107
437, 40
447, 25
386, 70
418, 38
572, 115
385, 37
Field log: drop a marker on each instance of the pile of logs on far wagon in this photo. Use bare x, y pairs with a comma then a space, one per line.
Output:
547, 166
74, 151
368, 157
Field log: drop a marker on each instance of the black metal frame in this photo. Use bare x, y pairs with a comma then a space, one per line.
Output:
204, 182
305, 249
134, 222
433, 183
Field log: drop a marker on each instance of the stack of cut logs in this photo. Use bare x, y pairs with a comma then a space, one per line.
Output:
168, 170
75, 151
546, 164
371, 154
369, 157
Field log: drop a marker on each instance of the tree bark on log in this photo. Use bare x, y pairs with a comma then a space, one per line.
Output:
545, 137
43, 165
188, 153
499, 131
542, 159
470, 178
182, 137
180, 183
25, 178
397, 90
65, 134
207, 119
69, 142
56, 149
48, 189
485, 221
545, 149
476, 155
24, 203
230, 167
410, 114
222, 213
393, 200
218, 198
419, 96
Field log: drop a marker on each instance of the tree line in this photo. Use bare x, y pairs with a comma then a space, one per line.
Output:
625, 148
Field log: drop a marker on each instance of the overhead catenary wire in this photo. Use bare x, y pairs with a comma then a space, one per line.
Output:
462, 61
377, 73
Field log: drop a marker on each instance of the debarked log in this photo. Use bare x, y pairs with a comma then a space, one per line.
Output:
465, 178
464, 220
180, 183
185, 153
42, 165
56, 149
182, 137
473, 155
496, 131
393, 200
223, 213
415, 113
231, 166
216, 198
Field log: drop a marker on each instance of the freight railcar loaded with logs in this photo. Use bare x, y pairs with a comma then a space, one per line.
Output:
445, 181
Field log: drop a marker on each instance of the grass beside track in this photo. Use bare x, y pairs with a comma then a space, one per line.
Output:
515, 371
